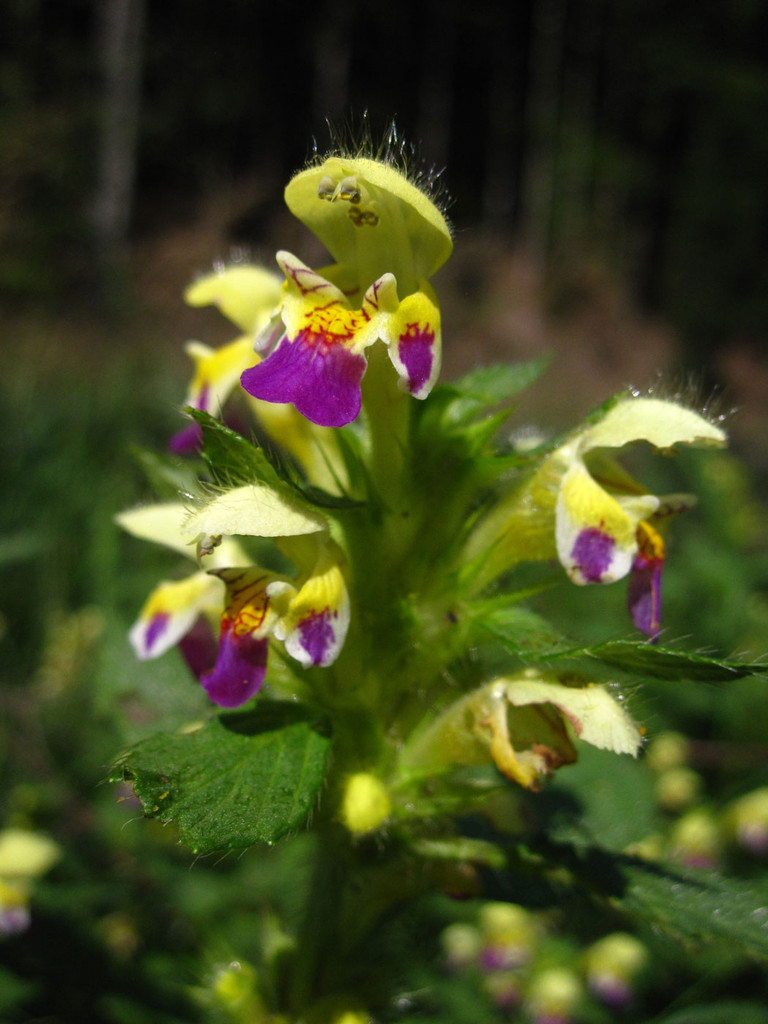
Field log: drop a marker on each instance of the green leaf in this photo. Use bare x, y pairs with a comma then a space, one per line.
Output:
234, 460
243, 778
692, 906
168, 475
519, 630
663, 663
458, 417
231, 458
529, 636
590, 799
727, 1012
488, 386
697, 905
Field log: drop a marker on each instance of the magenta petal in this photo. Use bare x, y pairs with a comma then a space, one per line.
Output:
14, 920
190, 438
317, 635
199, 648
416, 350
187, 440
592, 554
322, 380
239, 670
612, 991
644, 594
156, 626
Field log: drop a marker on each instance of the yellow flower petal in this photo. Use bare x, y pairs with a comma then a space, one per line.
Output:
371, 217
314, 619
245, 294
217, 372
165, 522
659, 422
253, 510
25, 854
595, 532
171, 610
161, 523
412, 332
524, 723
597, 717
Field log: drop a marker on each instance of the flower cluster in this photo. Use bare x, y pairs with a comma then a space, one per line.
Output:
583, 508
307, 610
692, 831
356, 545
382, 529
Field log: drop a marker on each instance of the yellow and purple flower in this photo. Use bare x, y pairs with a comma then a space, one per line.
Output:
388, 237
24, 857
583, 508
311, 619
315, 360
246, 295
308, 612
526, 724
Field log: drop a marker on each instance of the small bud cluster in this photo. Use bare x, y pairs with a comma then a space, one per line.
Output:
697, 834
521, 965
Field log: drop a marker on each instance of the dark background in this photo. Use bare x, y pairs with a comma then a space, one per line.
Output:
630, 129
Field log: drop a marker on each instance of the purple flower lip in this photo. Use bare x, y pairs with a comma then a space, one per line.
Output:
187, 440
644, 595
417, 353
317, 635
320, 378
155, 629
14, 920
592, 554
199, 648
239, 670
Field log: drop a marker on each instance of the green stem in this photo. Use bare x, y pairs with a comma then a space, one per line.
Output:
319, 934
388, 413
354, 887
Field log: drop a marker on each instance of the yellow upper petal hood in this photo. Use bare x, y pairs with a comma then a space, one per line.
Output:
372, 218
247, 295
655, 420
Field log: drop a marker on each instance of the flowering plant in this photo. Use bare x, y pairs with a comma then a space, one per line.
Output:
366, 552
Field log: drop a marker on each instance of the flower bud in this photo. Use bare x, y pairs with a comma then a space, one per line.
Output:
695, 840
612, 966
503, 989
235, 989
650, 847
667, 750
509, 932
365, 805
746, 820
336, 1010
25, 854
461, 944
554, 996
677, 789
14, 910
